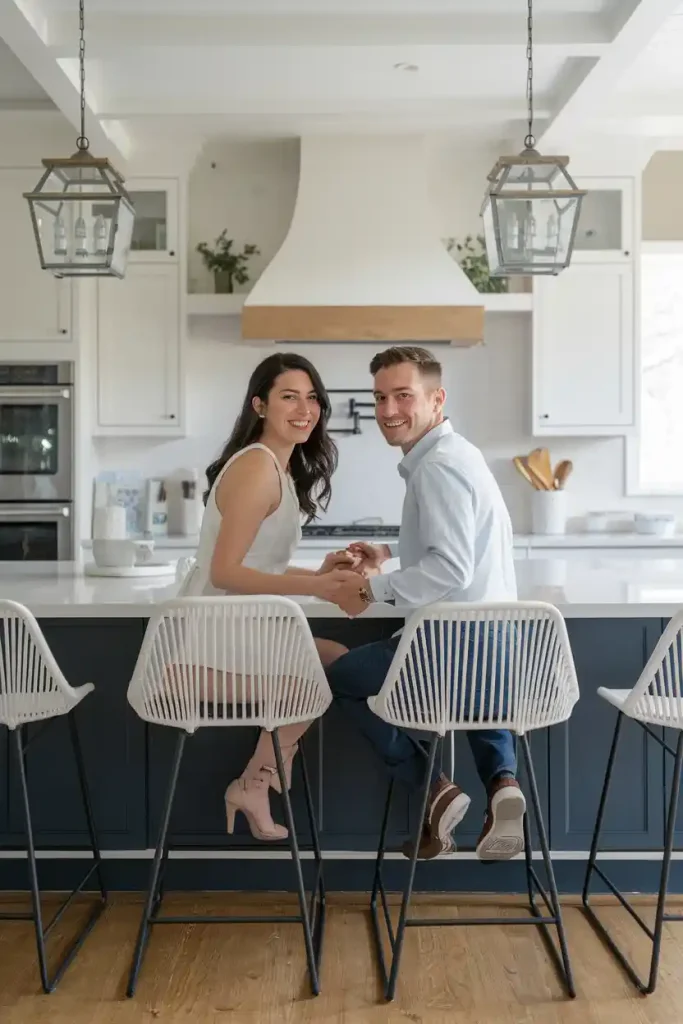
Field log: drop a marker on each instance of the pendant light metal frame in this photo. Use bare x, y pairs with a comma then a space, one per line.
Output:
78, 170
500, 192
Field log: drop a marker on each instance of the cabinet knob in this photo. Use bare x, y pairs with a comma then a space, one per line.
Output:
171, 252
169, 416
544, 416
63, 330
626, 252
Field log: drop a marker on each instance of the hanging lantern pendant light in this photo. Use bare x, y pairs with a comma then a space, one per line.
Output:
532, 206
81, 213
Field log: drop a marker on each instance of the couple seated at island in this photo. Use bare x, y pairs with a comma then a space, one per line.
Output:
455, 544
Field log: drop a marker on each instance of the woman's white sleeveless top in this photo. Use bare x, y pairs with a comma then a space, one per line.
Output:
278, 537
276, 541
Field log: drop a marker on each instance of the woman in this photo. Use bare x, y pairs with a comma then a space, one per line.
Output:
275, 467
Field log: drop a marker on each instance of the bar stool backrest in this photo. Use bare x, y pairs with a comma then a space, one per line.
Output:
229, 661
481, 666
32, 685
657, 696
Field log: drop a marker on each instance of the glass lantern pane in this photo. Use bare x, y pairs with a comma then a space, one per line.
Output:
123, 237
533, 174
535, 235
492, 248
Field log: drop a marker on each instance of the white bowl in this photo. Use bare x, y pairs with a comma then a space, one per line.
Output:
655, 524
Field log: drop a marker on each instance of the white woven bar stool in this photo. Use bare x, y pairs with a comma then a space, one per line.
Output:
34, 692
656, 701
460, 667
276, 679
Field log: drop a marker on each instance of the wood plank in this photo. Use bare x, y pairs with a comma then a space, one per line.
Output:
457, 324
256, 974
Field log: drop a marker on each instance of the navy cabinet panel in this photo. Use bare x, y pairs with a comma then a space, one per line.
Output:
4, 782
113, 739
607, 652
671, 737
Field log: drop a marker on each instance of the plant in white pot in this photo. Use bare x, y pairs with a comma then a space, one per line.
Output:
227, 266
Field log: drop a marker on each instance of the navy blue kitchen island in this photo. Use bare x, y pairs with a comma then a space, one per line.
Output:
95, 629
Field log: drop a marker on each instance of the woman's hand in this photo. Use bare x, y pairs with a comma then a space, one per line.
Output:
335, 584
338, 560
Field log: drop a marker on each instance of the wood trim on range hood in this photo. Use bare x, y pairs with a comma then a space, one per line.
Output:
363, 260
456, 324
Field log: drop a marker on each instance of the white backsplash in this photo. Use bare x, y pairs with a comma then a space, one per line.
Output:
488, 401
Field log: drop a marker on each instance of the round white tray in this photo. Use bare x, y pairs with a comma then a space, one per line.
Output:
148, 569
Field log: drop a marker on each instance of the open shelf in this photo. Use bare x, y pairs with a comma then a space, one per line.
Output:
215, 305
508, 302
231, 305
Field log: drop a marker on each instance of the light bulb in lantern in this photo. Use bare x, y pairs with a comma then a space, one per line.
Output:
101, 236
80, 237
60, 247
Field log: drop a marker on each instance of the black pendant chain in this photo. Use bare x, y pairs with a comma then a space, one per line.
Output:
82, 142
530, 141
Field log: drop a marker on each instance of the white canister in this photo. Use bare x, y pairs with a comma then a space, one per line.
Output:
549, 512
109, 523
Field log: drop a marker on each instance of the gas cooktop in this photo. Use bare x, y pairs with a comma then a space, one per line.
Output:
349, 530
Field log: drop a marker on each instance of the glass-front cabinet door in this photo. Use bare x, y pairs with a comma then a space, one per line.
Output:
155, 231
605, 229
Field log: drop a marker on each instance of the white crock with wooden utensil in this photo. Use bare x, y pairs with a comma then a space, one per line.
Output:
549, 512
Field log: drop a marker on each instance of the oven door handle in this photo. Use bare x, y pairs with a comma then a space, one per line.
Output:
30, 511
43, 394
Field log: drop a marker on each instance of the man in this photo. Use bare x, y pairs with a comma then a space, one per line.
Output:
455, 544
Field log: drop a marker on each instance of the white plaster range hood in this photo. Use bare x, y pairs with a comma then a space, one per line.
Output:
363, 260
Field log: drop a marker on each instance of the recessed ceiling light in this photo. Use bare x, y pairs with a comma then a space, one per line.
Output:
405, 66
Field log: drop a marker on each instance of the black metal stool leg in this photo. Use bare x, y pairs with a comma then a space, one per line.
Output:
400, 931
666, 865
151, 903
318, 895
87, 803
654, 934
378, 889
590, 867
296, 859
554, 902
31, 854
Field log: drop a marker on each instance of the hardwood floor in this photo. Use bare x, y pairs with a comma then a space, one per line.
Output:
255, 974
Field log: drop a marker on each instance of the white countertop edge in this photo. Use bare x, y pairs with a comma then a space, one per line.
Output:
120, 610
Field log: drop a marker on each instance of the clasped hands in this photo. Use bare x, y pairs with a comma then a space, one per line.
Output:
344, 572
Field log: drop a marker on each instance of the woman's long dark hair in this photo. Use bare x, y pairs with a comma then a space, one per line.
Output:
313, 462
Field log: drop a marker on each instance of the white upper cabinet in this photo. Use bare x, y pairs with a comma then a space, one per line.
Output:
605, 231
584, 351
35, 305
155, 232
139, 381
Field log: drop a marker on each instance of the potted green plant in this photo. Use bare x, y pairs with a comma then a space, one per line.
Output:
227, 266
471, 255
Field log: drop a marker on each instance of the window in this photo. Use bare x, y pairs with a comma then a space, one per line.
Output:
656, 455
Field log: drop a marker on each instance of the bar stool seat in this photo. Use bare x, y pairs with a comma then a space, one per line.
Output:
656, 700
34, 691
265, 647
460, 667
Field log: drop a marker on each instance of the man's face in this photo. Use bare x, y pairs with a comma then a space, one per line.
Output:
407, 404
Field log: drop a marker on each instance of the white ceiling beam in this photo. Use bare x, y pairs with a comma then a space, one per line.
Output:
111, 34
639, 22
23, 28
462, 111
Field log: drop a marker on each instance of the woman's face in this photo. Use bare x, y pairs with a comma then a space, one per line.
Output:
292, 409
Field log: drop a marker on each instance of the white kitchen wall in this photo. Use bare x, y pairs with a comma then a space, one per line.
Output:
251, 190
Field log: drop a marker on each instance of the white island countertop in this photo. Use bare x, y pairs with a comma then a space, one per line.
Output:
593, 587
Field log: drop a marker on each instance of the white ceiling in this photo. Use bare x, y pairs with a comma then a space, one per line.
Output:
17, 87
186, 70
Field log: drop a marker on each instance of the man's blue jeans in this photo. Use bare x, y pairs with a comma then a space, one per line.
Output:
360, 674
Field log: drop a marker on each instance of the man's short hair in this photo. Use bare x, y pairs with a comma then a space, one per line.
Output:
422, 358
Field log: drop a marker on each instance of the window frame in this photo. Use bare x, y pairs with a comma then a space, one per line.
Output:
634, 487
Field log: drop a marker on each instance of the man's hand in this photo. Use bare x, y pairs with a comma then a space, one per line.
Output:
339, 560
349, 596
370, 556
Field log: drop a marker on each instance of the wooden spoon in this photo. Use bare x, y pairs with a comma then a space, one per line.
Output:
540, 467
563, 471
522, 468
